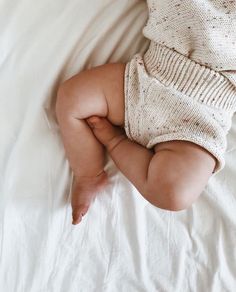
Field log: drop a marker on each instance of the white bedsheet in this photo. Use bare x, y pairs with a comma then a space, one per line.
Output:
123, 243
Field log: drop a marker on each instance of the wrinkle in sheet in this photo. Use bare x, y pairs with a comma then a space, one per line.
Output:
123, 241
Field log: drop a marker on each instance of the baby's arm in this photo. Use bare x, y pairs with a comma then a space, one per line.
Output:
171, 177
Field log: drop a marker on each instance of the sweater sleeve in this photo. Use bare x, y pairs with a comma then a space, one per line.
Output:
201, 30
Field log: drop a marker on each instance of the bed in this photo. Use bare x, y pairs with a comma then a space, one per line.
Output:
123, 243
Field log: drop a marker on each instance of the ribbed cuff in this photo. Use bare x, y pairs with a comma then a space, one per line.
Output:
192, 79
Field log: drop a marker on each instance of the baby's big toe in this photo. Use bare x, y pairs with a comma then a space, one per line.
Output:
77, 214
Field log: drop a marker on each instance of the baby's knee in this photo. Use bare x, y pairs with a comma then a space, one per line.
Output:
64, 102
172, 197
81, 96
177, 175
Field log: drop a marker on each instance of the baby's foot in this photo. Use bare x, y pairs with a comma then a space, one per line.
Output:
83, 192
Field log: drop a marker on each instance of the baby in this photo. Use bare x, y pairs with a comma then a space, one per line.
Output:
175, 104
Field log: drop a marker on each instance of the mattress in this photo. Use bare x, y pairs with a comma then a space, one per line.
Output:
123, 243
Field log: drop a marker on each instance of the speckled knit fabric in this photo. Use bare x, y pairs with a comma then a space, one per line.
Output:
184, 86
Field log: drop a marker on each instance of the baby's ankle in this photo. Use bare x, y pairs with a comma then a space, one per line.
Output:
91, 176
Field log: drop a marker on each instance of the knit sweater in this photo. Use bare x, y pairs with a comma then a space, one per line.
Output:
184, 86
202, 30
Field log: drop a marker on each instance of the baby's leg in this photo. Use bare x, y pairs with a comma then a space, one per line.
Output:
178, 173
98, 91
172, 178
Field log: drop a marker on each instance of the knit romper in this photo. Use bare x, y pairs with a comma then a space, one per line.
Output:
184, 86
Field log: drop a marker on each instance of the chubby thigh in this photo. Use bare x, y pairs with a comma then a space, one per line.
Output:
112, 80
98, 91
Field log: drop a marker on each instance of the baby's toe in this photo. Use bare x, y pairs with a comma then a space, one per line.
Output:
78, 212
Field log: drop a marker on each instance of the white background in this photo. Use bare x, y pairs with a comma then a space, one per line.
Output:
123, 243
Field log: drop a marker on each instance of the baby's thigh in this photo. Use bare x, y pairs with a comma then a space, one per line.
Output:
111, 77
98, 91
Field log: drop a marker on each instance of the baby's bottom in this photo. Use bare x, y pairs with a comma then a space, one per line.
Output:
177, 168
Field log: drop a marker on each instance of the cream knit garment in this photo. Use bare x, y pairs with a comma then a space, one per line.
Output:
184, 86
